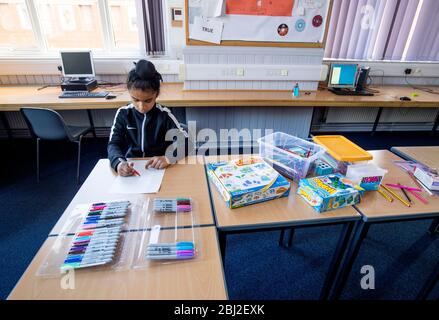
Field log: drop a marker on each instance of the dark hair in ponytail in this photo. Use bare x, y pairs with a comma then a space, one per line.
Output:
144, 77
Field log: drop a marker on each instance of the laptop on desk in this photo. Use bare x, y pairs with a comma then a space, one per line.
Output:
348, 80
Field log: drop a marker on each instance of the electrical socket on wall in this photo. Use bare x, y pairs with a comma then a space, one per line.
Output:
417, 71
275, 72
413, 72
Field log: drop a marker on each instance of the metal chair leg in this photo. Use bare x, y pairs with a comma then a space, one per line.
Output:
38, 160
79, 159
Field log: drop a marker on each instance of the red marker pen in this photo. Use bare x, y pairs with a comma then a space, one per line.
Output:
136, 173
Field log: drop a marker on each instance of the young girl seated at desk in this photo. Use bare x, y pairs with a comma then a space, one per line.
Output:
142, 125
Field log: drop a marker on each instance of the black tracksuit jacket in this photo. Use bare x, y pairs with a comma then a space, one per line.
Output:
135, 134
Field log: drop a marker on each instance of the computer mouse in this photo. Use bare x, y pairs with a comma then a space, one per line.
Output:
110, 96
405, 99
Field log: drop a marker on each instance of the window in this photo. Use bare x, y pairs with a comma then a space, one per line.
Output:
48, 26
15, 26
401, 30
70, 24
124, 21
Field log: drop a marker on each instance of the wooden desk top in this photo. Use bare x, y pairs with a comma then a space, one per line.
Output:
182, 179
374, 207
201, 278
428, 156
12, 98
292, 210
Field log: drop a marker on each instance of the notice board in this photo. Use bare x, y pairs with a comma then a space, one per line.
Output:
280, 23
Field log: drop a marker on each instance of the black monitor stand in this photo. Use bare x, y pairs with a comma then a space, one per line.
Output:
80, 80
350, 92
79, 84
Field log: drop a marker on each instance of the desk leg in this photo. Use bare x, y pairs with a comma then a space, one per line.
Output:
223, 244
92, 124
429, 285
6, 125
436, 123
281, 237
339, 252
434, 227
312, 120
352, 253
290, 238
377, 120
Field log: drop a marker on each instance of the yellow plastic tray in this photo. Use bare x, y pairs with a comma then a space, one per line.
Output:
342, 149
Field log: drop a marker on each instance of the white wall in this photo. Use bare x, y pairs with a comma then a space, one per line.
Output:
251, 68
176, 36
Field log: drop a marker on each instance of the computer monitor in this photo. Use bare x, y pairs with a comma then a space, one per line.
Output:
77, 64
343, 76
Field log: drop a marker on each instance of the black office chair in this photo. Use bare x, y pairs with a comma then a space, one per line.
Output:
47, 124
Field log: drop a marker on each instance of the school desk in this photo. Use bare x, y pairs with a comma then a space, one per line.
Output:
184, 179
278, 214
200, 278
12, 98
375, 209
428, 156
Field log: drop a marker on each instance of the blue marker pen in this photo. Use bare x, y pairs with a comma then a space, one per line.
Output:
89, 255
84, 264
178, 244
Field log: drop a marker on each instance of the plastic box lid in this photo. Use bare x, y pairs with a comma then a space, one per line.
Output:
342, 149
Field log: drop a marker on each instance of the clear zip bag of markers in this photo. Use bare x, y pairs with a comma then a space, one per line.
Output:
95, 236
169, 236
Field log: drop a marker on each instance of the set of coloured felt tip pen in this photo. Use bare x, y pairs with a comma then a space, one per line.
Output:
92, 249
96, 242
172, 205
178, 250
104, 215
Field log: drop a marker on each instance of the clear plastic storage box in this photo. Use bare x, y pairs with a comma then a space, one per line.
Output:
291, 156
341, 152
339, 166
368, 176
170, 235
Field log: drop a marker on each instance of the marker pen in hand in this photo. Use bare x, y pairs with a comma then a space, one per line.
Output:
135, 172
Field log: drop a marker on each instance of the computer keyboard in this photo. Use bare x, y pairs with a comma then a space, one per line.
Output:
348, 92
83, 94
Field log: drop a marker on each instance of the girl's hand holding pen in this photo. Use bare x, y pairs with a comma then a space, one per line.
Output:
157, 163
126, 169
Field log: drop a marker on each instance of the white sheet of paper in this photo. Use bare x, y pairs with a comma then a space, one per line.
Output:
148, 182
209, 30
336, 72
212, 8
